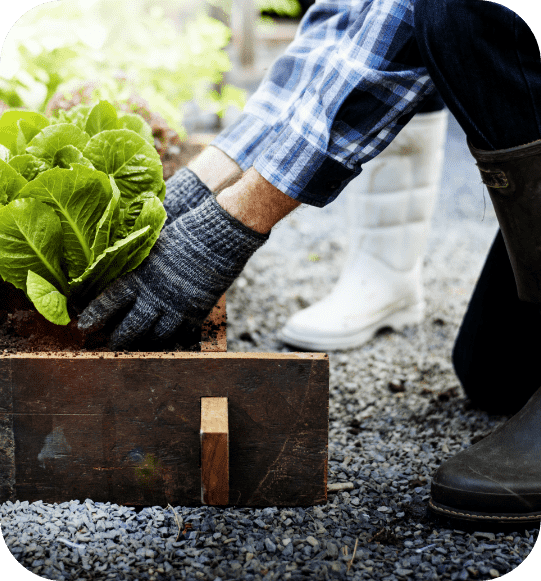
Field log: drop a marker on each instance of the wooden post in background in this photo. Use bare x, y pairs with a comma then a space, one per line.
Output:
222, 16
214, 451
243, 19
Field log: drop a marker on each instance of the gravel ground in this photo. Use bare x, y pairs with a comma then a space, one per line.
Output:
397, 411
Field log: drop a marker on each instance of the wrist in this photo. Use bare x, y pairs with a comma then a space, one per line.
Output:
256, 203
211, 230
215, 169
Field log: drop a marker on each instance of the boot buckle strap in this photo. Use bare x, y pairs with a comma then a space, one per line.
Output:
494, 179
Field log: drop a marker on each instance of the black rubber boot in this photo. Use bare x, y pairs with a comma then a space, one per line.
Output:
498, 480
513, 180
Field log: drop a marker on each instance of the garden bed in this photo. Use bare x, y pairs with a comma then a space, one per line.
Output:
24, 330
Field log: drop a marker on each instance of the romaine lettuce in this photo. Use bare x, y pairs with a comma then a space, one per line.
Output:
80, 202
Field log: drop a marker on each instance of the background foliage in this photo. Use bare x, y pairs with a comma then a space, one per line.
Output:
59, 44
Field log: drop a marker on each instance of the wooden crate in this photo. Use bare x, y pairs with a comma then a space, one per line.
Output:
125, 428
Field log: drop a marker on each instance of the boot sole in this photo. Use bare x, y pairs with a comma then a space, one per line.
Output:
405, 317
469, 517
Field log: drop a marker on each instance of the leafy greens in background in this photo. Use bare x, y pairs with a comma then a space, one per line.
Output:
80, 202
166, 54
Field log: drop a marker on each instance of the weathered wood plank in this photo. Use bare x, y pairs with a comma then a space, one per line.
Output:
243, 19
125, 428
214, 451
7, 441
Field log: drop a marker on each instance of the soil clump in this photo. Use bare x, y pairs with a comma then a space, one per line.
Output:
24, 330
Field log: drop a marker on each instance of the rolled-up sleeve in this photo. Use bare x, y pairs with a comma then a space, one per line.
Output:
348, 83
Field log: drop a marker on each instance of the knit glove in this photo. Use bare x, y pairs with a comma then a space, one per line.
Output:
194, 261
184, 191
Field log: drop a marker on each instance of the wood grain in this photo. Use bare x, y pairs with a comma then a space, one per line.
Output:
214, 451
125, 428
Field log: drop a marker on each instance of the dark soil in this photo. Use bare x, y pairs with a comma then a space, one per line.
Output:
24, 330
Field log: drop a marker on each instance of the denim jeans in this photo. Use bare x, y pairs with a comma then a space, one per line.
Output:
485, 63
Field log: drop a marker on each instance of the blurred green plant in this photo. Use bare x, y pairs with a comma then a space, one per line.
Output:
290, 8
9, 92
49, 67
122, 47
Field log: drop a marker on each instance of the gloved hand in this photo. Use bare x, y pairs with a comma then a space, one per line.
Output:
184, 191
194, 261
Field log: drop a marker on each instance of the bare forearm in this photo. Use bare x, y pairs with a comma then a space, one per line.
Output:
256, 202
248, 197
215, 169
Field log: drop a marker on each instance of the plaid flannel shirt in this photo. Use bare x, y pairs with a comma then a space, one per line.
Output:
347, 84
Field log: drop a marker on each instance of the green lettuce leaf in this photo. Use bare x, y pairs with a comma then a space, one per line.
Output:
163, 191
67, 155
27, 131
79, 196
76, 115
11, 182
110, 217
30, 239
138, 124
51, 303
152, 214
80, 202
28, 166
5, 154
108, 266
48, 141
16, 126
130, 214
102, 117
130, 159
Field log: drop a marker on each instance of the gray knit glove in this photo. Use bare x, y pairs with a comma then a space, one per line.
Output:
184, 191
194, 261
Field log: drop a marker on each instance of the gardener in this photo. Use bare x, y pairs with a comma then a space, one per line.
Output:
353, 77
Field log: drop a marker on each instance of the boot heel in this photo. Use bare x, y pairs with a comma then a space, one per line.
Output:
413, 315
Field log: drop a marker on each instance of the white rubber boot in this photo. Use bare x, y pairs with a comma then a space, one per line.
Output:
389, 209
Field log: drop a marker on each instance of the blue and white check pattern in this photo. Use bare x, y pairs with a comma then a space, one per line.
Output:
347, 84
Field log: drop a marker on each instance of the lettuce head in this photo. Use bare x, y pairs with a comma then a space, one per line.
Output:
80, 202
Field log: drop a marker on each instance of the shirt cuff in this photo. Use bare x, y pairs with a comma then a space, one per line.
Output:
301, 171
244, 140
